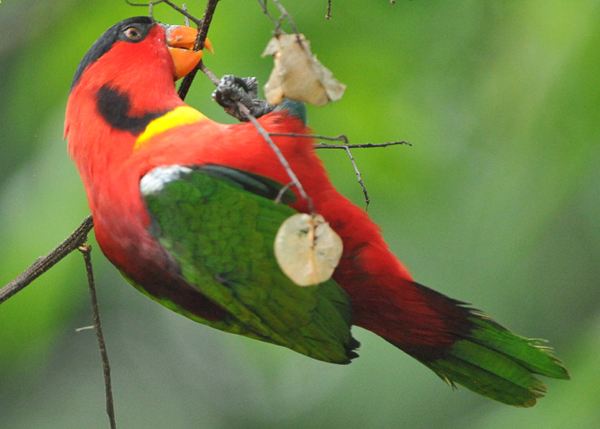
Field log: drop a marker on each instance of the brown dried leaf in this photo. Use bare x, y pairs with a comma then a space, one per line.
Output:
307, 249
297, 73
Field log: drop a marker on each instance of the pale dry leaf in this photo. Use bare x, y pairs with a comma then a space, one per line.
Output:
307, 249
297, 74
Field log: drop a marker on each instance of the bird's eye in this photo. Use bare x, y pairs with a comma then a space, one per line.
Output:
133, 34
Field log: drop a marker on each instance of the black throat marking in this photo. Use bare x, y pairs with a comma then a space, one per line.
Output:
114, 106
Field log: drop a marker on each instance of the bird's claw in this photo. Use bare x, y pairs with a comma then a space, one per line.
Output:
232, 90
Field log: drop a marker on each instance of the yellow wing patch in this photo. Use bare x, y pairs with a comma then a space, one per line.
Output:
182, 115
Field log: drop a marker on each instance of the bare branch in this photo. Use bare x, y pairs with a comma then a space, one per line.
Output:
282, 159
276, 22
360, 145
43, 264
340, 138
202, 33
284, 15
181, 10
86, 251
282, 192
186, 19
209, 73
346, 147
358, 176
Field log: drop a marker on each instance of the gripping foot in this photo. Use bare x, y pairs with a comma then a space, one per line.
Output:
233, 90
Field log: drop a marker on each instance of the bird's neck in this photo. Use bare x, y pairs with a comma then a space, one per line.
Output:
104, 120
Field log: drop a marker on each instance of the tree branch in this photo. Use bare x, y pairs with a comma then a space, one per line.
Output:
284, 15
340, 138
202, 33
328, 12
86, 251
358, 176
360, 145
43, 264
346, 147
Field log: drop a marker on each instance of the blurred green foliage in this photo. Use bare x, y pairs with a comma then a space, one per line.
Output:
497, 203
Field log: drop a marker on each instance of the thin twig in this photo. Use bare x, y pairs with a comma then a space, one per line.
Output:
208, 72
360, 145
328, 13
202, 33
186, 19
284, 14
282, 192
358, 176
277, 22
346, 147
340, 138
184, 12
181, 10
265, 9
86, 251
43, 264
280, 156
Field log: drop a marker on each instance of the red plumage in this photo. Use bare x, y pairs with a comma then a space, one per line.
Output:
384, 298
125, 82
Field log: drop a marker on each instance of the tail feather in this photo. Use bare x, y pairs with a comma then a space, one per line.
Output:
473, 350
496, 363
534, 354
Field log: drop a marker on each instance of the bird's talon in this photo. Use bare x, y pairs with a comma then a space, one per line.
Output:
232, 90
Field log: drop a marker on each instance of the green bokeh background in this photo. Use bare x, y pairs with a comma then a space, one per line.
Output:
497, 203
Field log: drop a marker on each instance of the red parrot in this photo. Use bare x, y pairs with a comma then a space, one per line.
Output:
186, 209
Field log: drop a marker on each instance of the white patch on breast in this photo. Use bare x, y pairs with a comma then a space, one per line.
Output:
155, 180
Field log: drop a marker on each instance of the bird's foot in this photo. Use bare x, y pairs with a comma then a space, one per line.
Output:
232, 90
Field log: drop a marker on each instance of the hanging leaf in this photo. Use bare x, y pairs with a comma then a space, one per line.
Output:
307, 249
297, 73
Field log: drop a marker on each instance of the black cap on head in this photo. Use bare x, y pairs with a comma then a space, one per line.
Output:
142, 24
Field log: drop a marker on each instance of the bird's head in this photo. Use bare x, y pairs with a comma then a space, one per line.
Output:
124, 81
140, 45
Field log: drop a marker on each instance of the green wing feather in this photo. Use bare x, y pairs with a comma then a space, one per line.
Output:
219, 225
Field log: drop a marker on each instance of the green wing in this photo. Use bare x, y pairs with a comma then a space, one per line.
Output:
219, 225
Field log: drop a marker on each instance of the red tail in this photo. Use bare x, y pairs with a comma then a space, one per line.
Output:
418, 320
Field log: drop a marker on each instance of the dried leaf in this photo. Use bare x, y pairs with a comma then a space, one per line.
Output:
297, 73
307, 249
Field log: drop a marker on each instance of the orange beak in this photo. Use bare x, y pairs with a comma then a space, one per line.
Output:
181, 40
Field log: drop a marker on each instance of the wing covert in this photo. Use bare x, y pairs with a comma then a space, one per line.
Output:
219, 225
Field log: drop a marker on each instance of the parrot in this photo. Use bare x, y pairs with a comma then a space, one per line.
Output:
187, 209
